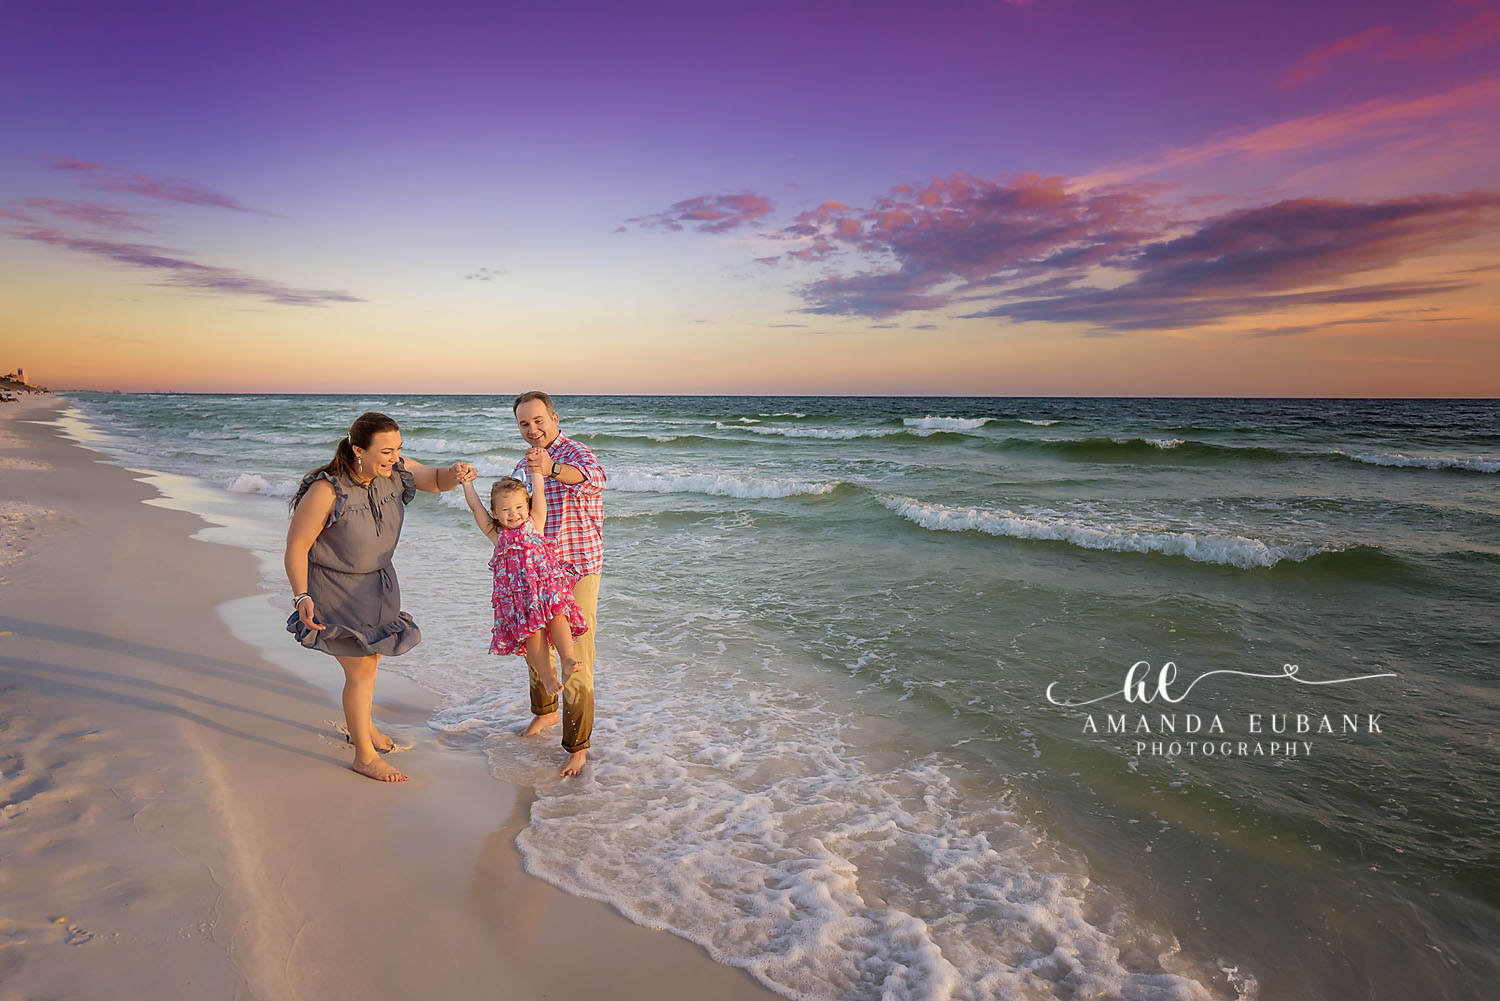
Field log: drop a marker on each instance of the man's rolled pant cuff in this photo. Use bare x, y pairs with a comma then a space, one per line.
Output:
574, 750
545, 712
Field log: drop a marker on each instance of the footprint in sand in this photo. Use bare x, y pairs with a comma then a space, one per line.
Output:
77, 936
343, 737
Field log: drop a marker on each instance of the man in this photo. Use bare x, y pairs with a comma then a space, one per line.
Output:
575, 524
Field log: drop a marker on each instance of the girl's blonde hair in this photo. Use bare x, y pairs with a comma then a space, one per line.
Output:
504, 485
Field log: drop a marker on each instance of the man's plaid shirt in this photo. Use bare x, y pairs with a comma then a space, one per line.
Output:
575, 511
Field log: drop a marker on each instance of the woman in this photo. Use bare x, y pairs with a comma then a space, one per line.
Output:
346, 521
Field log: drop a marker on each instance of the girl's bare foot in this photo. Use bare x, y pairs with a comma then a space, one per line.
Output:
540, 723
378, 770
551, 685
574, 765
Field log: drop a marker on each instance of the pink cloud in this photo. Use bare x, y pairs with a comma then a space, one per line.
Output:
183, 273
1381, 121
972, 230
1382, 44
1271, 257
708, 213
1117, 258
167, 189
90, 214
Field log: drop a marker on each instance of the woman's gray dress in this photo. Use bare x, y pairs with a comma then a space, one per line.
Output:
349, 572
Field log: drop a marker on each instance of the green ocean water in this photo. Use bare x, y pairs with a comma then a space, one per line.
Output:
828, 630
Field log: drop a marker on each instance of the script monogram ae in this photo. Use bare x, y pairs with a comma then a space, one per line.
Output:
1145, 686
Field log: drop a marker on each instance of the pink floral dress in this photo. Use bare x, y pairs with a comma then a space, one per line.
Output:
531, 588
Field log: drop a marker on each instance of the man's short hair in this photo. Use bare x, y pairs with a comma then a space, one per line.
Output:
535, 394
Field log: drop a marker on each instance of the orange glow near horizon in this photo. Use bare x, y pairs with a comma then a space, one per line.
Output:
162, 340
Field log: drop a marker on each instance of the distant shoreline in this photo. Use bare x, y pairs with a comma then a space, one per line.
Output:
768, 396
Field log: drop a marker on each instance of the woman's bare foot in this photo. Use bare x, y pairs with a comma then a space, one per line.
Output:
378, 770
574, 765
540, 723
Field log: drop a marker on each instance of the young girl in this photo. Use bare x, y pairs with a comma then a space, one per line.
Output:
533, 596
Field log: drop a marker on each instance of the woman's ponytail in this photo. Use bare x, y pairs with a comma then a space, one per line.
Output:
343, 458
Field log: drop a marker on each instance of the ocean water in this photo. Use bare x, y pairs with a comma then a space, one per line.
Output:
829, 627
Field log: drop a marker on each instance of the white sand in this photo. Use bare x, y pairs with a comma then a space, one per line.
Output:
177, 819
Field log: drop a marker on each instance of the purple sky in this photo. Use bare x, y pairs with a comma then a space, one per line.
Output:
1004, 179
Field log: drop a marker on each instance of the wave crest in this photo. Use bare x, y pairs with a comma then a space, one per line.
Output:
1231, 550
716, 485
1464, 463
946, 423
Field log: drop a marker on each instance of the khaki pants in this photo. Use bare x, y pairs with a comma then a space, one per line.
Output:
578, 687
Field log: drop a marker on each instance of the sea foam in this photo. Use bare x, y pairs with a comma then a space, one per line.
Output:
724, 803
254, 483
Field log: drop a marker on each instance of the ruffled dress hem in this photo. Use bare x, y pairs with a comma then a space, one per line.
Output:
392, 640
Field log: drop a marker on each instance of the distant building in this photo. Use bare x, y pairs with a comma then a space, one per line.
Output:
17, 379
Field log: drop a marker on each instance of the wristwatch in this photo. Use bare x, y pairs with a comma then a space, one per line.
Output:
556, 470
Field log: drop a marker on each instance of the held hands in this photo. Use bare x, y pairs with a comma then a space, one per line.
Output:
537, 460
464, 471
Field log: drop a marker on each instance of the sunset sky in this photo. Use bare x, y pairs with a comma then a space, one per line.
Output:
1053, 197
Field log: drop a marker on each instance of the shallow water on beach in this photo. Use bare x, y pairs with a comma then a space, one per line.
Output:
825, 748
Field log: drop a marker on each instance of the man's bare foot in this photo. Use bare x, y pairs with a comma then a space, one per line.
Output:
540, 723
378, 770
574, 765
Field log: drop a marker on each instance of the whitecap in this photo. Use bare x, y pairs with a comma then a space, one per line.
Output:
424, 446
715, 485
832, 433
1202, 547
254, 483
1473, 464
947, 423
